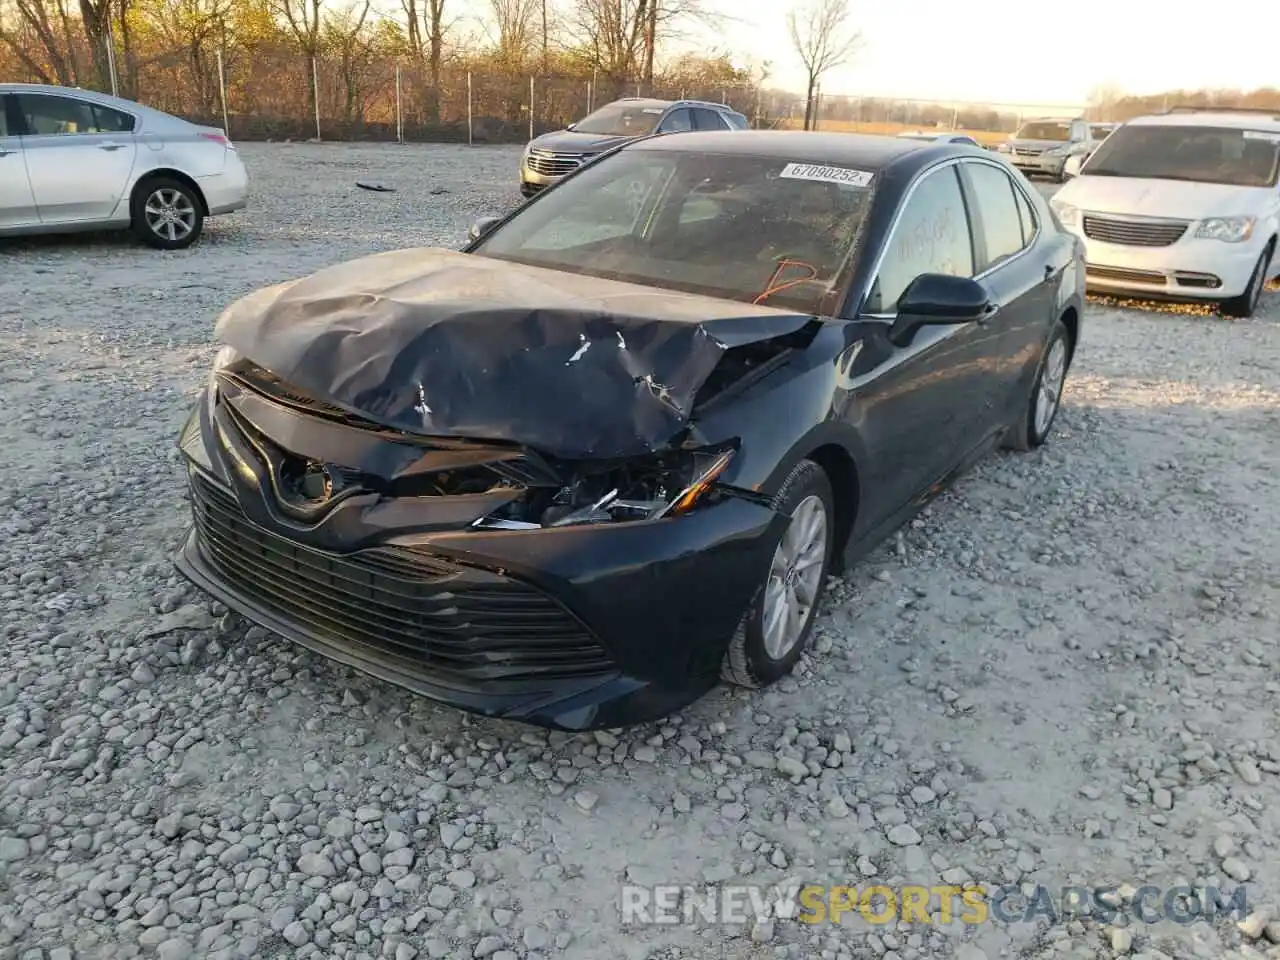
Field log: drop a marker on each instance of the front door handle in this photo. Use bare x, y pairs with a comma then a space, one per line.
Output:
110, 146
4, 152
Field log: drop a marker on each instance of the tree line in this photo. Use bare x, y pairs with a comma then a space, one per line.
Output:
458, 69
282, 61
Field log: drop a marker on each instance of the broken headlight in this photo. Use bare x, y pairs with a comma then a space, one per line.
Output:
666, 485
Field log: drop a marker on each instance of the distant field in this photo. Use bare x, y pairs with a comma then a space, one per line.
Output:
893, 129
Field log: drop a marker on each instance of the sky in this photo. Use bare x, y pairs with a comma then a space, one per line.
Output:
1000, 51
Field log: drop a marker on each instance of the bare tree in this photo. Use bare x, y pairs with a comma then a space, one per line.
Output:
344, 35
514, 21
824, 38
622, 36
303, 18
41, 35
437, 29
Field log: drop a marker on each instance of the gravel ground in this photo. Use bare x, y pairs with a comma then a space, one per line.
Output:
1063, 673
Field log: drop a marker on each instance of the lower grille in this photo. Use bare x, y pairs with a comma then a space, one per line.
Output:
553, 164
446, 622
1134, 233
1123, 275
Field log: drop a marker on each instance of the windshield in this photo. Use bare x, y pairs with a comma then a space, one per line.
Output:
620, 120
1059, 130
1242, 158
744, 228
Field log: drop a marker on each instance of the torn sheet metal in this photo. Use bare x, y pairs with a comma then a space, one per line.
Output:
440, 343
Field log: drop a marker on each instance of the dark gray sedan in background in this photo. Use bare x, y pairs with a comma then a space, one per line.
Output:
549, 157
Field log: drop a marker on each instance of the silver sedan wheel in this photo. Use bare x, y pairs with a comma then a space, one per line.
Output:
794, 578
1050, 392
170, 214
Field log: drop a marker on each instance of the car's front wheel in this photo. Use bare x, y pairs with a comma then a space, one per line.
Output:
776, 629
1041, 408
166, 214
1247, 303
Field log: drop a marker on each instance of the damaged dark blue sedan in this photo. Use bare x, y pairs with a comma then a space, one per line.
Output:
608, 453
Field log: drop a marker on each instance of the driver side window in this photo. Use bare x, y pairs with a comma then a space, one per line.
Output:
931, 236
677, 121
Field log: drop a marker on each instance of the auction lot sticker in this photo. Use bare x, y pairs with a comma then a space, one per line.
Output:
814, 171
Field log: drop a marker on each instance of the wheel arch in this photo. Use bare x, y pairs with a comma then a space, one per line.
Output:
169, 173
834, 446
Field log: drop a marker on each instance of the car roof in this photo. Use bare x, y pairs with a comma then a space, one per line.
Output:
867, 151
653, 102
93, 96
1244, 120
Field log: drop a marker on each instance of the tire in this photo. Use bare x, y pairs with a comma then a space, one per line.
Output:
1244, 305
166, 213
1032, 430
754, 659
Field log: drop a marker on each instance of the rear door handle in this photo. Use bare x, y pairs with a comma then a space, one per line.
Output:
110, 146
4, 152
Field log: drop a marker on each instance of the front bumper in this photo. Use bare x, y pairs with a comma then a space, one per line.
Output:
1189, 269
1043, 165
574, 628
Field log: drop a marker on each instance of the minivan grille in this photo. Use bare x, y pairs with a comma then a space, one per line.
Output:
1134, 232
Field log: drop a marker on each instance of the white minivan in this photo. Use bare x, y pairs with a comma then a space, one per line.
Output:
1183, 205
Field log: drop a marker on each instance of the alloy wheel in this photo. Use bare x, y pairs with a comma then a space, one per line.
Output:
1049, 393
795, 577
170, 214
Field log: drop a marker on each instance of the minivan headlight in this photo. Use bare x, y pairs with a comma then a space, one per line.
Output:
1067, 213
1226, 229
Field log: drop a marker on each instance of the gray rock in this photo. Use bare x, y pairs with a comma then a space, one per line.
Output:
903, 835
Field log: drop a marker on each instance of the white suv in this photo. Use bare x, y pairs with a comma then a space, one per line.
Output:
1183, 205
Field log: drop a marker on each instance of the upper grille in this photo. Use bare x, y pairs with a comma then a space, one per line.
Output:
548, 164
1134, 233
1027, 151
448, 623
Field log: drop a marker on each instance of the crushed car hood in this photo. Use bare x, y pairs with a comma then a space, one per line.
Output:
440, 343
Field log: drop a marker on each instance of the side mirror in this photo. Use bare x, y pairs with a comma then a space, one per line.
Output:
481, 227
571, 126
938, 298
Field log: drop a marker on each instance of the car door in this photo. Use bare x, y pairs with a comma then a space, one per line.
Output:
79, 156
677, 121
1022, 284
17, 205
918, 406
704, 119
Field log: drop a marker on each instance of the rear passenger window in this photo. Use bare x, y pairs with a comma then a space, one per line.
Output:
111, 121
932, 236
997, 213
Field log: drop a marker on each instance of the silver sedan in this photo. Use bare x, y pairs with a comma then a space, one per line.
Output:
73, 160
